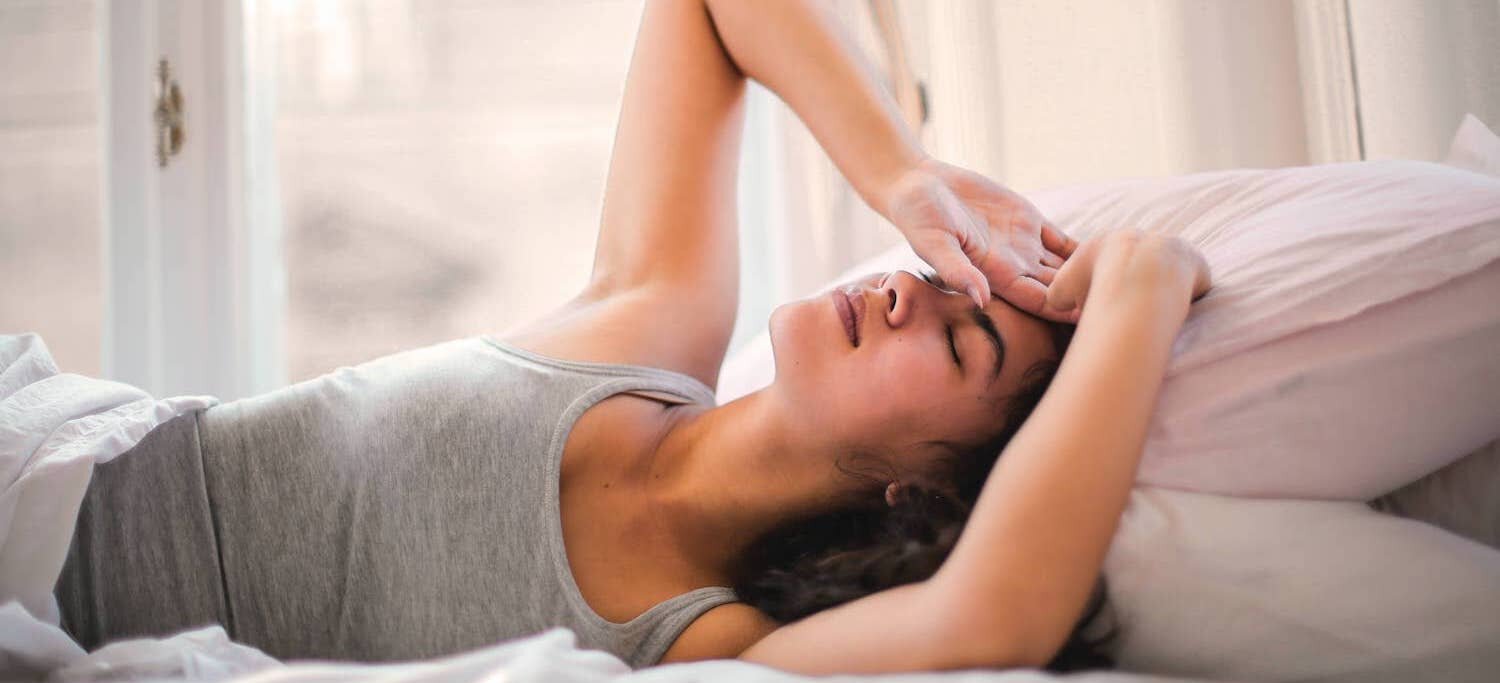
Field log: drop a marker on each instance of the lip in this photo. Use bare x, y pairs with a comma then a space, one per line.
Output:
850, 306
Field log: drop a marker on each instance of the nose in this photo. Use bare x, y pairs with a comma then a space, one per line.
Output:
905, 296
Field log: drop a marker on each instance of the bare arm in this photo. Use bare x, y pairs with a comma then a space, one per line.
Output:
798, 50
664, 287
1039, 532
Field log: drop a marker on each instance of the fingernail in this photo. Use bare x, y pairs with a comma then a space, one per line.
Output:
974, 294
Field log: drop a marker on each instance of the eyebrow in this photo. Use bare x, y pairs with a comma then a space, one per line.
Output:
986, 323
981, 319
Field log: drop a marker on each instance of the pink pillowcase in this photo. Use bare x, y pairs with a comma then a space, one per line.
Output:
1351, 343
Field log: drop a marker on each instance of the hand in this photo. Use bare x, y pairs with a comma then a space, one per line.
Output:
1126, 254
980, 236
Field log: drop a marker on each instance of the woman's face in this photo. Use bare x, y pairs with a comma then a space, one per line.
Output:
925, 365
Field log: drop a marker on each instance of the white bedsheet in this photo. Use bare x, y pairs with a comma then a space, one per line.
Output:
206, 655
53, 428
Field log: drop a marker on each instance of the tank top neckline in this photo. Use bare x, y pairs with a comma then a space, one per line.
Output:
704, 394
627, 378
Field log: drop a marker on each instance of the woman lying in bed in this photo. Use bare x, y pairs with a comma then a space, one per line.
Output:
880, 507
855, 470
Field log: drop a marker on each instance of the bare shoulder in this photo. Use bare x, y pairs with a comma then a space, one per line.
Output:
720, 633
654, 326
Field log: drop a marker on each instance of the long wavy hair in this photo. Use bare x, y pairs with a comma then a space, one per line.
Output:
808, 565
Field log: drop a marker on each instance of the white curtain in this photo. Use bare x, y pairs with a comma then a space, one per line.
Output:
1419, 66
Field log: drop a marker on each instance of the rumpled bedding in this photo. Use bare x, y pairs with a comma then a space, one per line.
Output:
206, 655
54, 428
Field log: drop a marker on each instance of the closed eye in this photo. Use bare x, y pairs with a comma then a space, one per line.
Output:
953, 348
932, 279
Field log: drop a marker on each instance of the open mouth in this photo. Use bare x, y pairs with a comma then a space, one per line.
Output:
850, 308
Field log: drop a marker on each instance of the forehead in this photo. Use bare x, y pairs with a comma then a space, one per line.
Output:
1028, 339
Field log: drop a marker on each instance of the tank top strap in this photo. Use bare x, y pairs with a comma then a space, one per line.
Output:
671, 386
654, 631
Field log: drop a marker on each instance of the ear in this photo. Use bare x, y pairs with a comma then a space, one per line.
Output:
894, 492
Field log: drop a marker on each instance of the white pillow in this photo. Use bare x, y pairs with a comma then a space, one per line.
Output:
1348, 346
1475, 147
1280, 590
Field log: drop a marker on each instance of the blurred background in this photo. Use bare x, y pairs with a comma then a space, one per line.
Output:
359, 177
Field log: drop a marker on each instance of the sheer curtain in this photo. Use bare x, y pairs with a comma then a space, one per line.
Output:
51, 232
1418, 67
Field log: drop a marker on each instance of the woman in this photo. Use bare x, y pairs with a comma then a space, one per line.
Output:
575, 473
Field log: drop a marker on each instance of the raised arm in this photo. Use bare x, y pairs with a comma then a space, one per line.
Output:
1038, 534
664, 287
797, 49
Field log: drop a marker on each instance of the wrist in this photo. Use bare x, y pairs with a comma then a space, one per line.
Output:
912, 178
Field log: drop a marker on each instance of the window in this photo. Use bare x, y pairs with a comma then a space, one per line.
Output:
51, 280
442, 165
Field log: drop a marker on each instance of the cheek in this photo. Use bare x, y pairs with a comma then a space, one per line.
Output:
788, 328
926, 395
801, 348
913, 382
908, 364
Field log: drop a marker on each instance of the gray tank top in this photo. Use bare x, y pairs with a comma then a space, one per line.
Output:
408, 507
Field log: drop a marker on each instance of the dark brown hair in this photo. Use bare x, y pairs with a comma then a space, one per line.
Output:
811, 564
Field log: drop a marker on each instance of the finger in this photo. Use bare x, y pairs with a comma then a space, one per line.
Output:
1054, 314
977, 287
1051, 260
1044, 275
1068, 290
955, 268
1071, 317
1057, 241
1031, 296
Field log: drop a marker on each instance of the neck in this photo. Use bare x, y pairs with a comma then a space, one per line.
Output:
722, 477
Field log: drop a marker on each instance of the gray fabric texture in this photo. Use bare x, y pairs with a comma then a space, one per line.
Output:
401, 509
145, 514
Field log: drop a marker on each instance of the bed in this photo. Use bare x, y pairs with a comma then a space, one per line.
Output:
1278, 560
